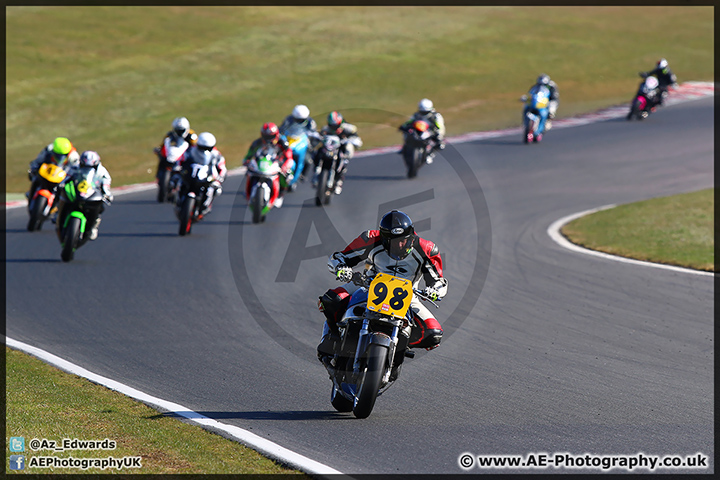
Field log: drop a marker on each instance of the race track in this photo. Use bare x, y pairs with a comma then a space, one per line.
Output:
546, 350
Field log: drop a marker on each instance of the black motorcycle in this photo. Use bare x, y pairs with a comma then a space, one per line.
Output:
646, 99
374, 336
196, 178
419, 144
330, 161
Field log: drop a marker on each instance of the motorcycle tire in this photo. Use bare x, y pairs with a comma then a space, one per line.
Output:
340, 403
72, 238
418, 158
163, 180
322, 195
376, 359
186, 214
257, 206
37, 207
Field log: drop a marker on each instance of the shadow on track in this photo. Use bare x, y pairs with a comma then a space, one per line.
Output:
266, 415
33, 260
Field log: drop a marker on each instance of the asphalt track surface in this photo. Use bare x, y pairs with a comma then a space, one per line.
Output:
546, 350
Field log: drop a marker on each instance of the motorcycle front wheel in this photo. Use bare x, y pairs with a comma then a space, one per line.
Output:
257, 206
36, 213
163, 177
415, 161
186, 214
322, 195
376, 359
72, 237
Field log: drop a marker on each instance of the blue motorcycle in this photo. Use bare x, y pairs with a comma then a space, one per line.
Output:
297, 137
535, 113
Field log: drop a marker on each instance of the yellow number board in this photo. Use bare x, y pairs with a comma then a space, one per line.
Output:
390, 295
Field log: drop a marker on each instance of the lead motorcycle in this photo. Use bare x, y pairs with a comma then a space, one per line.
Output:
84, 198
168, 155
196, 178
42, 199
418, 146
374, 337
535, 106
646, 99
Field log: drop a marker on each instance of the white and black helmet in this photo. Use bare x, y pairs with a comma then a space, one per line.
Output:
90, 159
543, 79
425, 105
398, 234
181, 126
206, 141
300, 113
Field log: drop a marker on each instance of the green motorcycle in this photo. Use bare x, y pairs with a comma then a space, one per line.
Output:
84, 202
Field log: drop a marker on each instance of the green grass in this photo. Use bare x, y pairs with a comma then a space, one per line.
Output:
676, 230
44, 402
113, 78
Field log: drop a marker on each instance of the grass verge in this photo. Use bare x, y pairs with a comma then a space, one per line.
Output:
46, 403
676, 230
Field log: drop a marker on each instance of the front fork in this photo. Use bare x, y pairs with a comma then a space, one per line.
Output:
366, 337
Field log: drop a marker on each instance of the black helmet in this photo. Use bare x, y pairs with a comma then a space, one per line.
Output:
398, 234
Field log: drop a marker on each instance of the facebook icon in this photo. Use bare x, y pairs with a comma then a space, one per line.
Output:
17, 462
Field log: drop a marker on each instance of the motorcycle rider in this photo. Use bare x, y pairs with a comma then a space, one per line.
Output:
179, 132
666, 78
300, 115
60, 152
205, 152
88, 160
349, 139
270, 137
554, 99
543, 81
393, 248
426, 111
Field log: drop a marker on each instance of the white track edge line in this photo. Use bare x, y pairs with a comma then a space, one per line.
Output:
265, 447
554, 233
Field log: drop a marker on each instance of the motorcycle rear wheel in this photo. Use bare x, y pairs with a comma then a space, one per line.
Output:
376, 359
72, 237
186, 214
36, 213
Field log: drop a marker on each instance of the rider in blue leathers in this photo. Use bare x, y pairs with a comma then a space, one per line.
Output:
543, 81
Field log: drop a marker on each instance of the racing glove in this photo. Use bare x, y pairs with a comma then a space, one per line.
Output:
431, 293
344, 274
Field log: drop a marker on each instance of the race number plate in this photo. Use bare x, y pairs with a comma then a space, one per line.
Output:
390, 295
